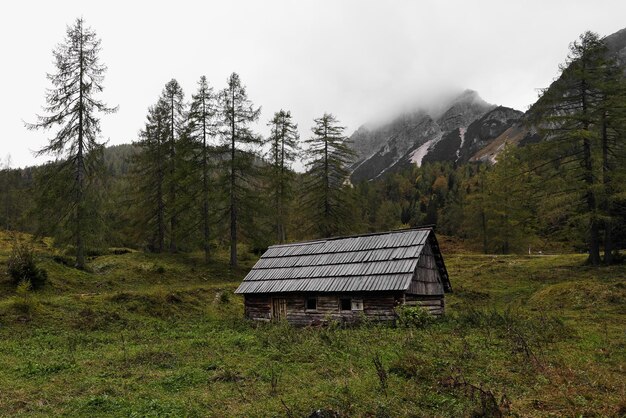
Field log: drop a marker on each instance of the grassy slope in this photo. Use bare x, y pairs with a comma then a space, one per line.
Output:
146, 335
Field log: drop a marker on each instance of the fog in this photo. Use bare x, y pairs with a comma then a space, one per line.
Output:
364, 61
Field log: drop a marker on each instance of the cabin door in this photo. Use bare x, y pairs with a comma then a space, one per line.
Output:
279, 309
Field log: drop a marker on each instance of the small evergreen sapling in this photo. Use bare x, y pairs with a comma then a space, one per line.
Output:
22, 267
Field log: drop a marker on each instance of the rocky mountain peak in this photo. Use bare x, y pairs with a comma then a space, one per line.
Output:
463, 110
411, 136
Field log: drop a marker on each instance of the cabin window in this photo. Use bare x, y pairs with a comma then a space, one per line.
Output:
357, 304
345, 304
311, 304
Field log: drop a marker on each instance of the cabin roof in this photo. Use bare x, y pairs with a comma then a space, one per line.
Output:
372, 262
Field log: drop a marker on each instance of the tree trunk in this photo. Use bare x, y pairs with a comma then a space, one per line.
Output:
590, 198
80, 245
205, 187
606, 205
281, 198
233, 200
160, 203
327, 231
173, 217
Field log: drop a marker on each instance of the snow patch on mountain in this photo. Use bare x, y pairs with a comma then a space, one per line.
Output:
418, 155
424, 136
462, 131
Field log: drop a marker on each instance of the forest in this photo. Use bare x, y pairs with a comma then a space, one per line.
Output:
199, 178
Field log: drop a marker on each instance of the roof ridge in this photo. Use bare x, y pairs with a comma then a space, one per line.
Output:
369, 234
334, 264
402, 273
337, 252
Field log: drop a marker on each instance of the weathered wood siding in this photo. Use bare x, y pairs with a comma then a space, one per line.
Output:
435, 304
376, 306
427, 279
258, 307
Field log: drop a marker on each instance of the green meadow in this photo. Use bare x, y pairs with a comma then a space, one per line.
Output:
146, 335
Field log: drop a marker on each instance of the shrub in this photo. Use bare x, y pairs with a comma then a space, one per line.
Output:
22, 267
158, 269
414, 316
224, 297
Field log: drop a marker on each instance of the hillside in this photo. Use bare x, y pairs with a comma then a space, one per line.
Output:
159, 335
470, 129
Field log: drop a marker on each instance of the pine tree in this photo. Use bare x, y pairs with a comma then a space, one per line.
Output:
327, 196
283, 141
237, 112
202, 125
73, 106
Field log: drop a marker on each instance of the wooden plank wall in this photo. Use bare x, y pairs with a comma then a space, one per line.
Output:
427, 280
376, 306
435, 304
258, 307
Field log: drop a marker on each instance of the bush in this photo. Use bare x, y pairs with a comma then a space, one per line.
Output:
224, 297
414, 316
22, 267
158, 269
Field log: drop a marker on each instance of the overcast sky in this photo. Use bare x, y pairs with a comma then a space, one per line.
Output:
361, 60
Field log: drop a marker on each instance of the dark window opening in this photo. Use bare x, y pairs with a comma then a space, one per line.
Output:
345, 304
311, 304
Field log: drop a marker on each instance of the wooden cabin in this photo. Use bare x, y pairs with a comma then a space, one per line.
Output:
347, 278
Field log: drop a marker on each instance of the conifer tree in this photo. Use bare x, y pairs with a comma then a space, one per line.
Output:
476, 207
611, 112
569, 114
236, 113
326, 194
510, 211
150, 174
283, 141
172, 100
202, 126
72, 105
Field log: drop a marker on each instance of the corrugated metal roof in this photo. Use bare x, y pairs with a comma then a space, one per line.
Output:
374, 262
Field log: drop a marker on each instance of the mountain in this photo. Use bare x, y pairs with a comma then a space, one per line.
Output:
469, 130
429, 136
616, 44
524, 131
461, 144
393, 142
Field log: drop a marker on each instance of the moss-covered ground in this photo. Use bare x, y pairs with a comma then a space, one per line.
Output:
159, 335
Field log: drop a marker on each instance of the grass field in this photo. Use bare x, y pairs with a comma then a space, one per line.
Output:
156, 335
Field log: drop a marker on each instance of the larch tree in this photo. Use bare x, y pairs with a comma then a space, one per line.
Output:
283, 143
72, 105
150, 175
202, 126
510, 210
611, 112
477, 196
172, 99
326, 194
237, 112
570, 114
